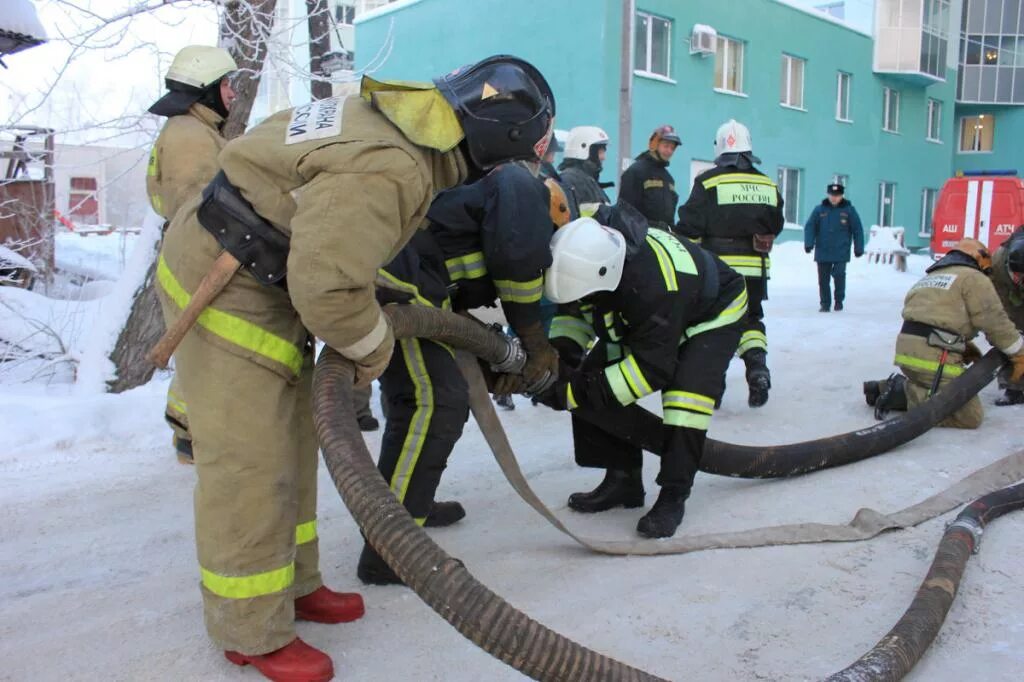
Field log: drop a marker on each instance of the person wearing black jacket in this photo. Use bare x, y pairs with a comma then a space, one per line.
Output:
648, 185
487, 240
735, 211
585, 151
642, 312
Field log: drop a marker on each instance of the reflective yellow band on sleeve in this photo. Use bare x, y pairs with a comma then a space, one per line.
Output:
305, 532
752, 339
249, 586
393, 282
569, 327
617, 382
520, 292
469, 266
950, 369
737, 310
176, 404
232, 328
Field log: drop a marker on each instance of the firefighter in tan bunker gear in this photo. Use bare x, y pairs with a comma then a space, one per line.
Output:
942, 312
348, 181
184, 160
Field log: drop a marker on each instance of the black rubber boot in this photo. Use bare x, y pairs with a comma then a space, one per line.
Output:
183, 448
823, 309
871, 391
666, 514
758, 377
368, 423
373, 570
1010, 397
505, 401
443, 514
618, 489
893, 396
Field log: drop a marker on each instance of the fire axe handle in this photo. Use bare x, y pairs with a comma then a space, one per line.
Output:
223, 269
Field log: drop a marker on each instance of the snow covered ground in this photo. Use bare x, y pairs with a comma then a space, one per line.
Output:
96, 538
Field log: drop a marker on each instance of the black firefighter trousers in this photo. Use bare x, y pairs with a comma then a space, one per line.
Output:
687, 402
427, 404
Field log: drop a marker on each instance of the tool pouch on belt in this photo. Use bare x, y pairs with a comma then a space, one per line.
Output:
261, 248
951, 341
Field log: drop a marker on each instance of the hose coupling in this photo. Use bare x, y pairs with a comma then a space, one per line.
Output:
973, 528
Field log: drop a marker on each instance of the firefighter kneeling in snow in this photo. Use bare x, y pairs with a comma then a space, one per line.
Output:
667, 316
941, 314
1008, 278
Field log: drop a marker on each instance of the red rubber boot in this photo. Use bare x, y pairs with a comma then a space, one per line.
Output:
324, 605
294, 662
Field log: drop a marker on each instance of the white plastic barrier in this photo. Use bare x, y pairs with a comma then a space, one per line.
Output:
886, 245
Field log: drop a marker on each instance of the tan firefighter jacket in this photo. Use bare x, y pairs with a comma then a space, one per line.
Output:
350, 189
959, 299
184, 159
1011, 296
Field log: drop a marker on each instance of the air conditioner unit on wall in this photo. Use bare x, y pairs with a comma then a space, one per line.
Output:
702, 40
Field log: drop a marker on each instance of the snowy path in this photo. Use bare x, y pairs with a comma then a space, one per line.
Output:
100, 575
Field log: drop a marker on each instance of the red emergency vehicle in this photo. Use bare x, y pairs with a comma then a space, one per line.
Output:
983, 205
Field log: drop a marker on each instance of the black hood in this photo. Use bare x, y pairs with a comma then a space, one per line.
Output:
954, 258
586, 165
626, 220
180, 98
742, 160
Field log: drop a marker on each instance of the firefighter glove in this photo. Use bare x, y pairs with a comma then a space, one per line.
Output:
373, 365
1018, 368
555, 397
541, 358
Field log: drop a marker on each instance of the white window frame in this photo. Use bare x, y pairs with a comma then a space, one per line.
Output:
926, 225
645, 70
887, 99
783, 181
731, 44
791, 61
960, 135
934, 133
840, 103
881, 203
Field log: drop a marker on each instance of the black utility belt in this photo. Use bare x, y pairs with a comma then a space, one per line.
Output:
936, 336
260, 247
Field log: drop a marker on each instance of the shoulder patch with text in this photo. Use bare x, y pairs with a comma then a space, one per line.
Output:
935, 282
315, 121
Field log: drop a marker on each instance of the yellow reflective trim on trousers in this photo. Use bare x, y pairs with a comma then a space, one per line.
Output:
737, 310
416, 437
685, 400
519, 292
950, 370
681, 259
405, 287
668, 272
305, 532
176, 403
687, 419
748, 178
469, 266
232, 328
249, 586
617, 381
570, 399
573, 328
748, 266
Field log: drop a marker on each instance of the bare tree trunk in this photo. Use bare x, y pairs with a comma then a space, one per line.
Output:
244, 31
319, 45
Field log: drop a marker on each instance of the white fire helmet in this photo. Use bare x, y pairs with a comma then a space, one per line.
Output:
581, 139
732, 138
586, 257
199, 66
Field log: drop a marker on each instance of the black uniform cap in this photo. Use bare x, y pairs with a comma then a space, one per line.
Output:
835, 188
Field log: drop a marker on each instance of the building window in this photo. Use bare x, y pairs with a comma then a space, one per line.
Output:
792, 91
653, 45
977, 133
891, 110
934, 37
934, 120
843, 83
83, 205
842, 179
886, 203
345, 14
789, 188
729, 65
992, 52
928, 199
